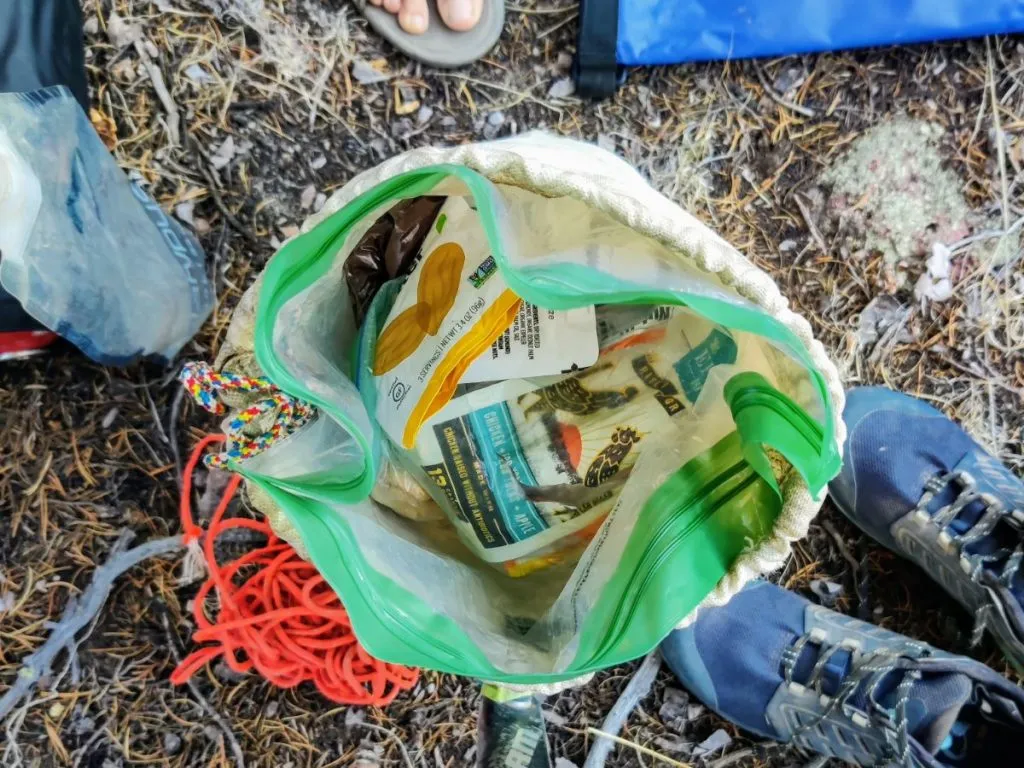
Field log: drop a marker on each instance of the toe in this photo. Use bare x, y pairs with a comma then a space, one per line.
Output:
392, 6
413, 16
460, 15
376, 2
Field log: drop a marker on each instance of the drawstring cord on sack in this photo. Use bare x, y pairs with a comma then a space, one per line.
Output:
284, 620
207, 387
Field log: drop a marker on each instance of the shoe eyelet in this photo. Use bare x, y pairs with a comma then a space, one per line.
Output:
946, 542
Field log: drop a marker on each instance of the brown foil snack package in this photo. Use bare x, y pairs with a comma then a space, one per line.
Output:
388, 249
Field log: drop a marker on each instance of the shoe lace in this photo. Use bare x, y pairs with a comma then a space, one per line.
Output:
866, 673
975, 564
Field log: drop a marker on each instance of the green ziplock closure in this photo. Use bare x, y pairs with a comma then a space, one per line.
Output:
676, 570
765, 416
704, 516
297, 266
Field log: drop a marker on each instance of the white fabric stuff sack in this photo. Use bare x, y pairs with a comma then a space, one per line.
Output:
556, 167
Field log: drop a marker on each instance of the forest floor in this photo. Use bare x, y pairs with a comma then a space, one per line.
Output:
872, 185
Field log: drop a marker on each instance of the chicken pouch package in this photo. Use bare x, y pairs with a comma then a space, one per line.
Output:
572, 417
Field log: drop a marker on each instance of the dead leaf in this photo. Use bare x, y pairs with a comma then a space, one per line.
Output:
58, 746
105, 127
404, 107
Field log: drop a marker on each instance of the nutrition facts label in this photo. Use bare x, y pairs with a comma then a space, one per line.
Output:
540, 342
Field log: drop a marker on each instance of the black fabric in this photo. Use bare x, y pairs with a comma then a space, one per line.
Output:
41, 45
597, 71
13, 317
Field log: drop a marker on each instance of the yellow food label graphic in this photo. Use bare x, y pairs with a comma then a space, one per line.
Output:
436, 291
400, 339
439, 283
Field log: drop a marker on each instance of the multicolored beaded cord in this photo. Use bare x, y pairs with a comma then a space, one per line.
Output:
207, 386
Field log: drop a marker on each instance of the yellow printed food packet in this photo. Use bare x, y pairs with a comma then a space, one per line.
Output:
450, 310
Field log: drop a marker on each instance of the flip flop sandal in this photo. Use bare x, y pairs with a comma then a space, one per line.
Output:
440, 46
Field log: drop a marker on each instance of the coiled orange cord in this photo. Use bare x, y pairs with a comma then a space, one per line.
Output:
284, 620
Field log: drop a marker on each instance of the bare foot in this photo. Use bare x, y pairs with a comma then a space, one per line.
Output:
459, 15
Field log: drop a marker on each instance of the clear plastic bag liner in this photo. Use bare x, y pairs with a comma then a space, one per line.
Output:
102, 264
692, 503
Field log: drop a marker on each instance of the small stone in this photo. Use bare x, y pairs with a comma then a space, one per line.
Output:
716, 742
933, 290
224, 154
673, 744
289, 230
56, 710
878, 316
354, 716
198, 75
787, 245
91, 25
554, 718
402, 127
365, 74
562, 88
423, 114
448, 122
563, 61
124, 70
790, 79
82, 724
318, 162
673, 711
307, 198
185, 211
121, 33
321, 200
228, 675
496, 118
172, 744
938, 263
272, 708
827, 591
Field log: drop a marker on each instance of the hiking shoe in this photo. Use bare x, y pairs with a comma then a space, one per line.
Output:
917, 483
787, 669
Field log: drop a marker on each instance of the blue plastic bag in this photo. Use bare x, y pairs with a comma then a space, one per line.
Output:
617, 33
86, 252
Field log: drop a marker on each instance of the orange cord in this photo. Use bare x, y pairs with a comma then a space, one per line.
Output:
284, 620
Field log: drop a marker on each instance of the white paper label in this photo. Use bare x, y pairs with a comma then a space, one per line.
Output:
540, 342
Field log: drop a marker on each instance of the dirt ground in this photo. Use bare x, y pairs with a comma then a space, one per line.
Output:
269, 107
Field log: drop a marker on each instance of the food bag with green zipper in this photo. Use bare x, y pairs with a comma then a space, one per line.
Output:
721, 479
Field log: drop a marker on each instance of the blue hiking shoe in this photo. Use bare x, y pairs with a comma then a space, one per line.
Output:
916, 482
787, 669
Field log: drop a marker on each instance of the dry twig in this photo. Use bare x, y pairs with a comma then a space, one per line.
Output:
638, 747
638, 687
81, 611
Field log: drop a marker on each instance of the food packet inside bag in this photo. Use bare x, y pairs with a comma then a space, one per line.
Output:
529, 468
456, 316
